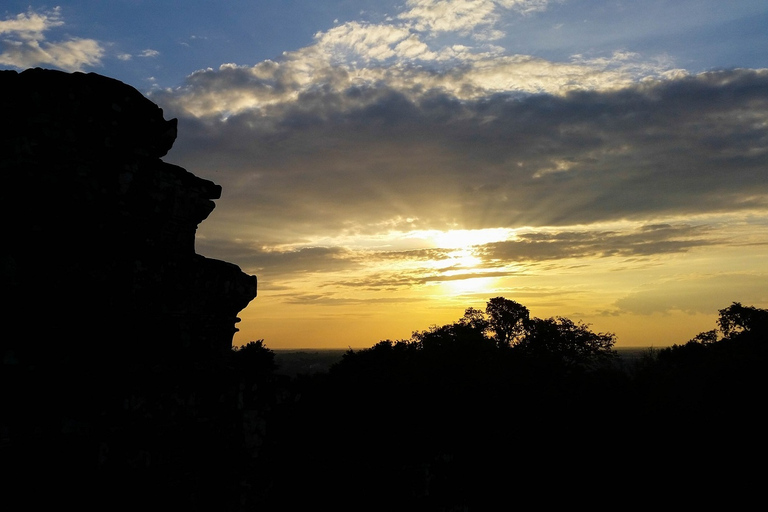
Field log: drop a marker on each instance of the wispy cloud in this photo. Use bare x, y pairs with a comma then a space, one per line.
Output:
647, 240
399, 280
31, 25
284, 262
23, 43
463, 16
476, 18
148, 53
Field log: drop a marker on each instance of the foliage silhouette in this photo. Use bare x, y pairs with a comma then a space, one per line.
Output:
508, 320
456, 418
736, 319
426, 423
451, 419
571, 344
254, 357
719, 375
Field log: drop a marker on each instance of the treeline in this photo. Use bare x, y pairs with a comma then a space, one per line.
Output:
499, 402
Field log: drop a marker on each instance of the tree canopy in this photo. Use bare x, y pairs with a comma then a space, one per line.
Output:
505, 327
446, 419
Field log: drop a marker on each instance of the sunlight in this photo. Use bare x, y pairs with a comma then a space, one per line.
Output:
458, 259
465, 258
470, 285
463, 238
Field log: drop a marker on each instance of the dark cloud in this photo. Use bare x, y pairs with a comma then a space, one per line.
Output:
698, 144
306, 299
647, 241
417, 254
413, 278
270, 262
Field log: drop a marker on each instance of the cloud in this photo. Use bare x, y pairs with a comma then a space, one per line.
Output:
324, 153
284, 262
455, 16
23, 44
395, 281
646, 241
356, 42
526, 6
148, 53
233, 89
307, 299
402, 54
416, 254
350, 160
465, 17
31, 25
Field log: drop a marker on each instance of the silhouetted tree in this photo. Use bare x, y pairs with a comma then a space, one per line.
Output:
254, 356
737, 318
705, 337
432, 422
507, 320
441, 412
459, 336
505, 324
733, 321
567, 342
720, 378
475, 319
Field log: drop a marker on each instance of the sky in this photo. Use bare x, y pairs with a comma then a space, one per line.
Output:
387, 164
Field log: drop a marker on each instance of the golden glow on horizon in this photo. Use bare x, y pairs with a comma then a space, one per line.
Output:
610, 275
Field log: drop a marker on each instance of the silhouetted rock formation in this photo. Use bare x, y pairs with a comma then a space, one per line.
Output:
99, 231
112, 323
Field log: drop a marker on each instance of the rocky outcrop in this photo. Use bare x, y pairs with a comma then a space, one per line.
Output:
99, 231
116, 333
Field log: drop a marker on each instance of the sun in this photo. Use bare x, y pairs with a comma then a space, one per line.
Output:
463, 267
464, 258
459, 245
465, 238
471, 285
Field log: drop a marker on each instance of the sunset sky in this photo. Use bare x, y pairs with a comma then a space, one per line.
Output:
387, 164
